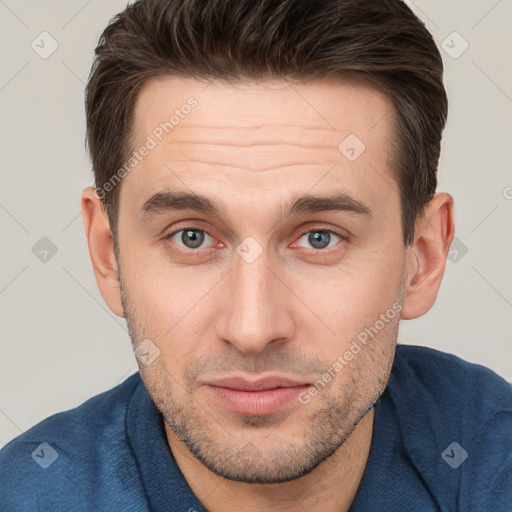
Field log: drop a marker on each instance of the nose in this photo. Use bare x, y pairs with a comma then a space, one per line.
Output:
255, 312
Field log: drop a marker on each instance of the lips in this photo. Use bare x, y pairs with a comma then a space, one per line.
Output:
258, 397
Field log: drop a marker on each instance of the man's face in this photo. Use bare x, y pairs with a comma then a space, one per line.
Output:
252, 288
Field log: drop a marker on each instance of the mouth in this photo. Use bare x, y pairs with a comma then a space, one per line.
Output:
259, 397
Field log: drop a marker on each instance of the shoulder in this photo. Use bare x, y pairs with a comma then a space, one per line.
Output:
445, 379
57, 459
455, 420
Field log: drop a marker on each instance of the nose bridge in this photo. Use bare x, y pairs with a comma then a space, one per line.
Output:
256, 313
252, 289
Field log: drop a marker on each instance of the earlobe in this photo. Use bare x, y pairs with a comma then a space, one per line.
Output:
101, 249
426, 257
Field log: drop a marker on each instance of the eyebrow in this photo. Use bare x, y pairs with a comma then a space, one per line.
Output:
162, 202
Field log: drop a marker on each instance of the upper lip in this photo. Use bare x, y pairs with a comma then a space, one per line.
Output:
261, 384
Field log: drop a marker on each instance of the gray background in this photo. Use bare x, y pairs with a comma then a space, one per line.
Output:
60, 344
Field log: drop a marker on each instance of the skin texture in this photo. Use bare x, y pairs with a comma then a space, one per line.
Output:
253, 148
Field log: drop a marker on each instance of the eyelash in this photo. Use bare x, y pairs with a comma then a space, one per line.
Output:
315, 230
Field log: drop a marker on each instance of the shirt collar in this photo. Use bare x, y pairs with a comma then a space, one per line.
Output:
164, 484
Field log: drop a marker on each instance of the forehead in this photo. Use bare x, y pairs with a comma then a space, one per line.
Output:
326, 106
266, 136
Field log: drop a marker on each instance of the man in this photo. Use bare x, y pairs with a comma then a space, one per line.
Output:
265, 213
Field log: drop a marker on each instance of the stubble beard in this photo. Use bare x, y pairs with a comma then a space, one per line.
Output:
245, 452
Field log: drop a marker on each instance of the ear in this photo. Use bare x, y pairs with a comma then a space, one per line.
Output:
426, 256
101, 249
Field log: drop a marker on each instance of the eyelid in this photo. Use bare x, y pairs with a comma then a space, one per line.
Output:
325, 228
321, 229
189, 225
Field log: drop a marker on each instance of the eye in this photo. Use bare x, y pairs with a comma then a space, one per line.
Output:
190, 238
320, 239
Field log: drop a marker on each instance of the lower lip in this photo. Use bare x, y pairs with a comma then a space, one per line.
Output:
256, 403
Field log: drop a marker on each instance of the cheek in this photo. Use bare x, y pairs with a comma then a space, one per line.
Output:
363, 364
168, 307
347, 298
162, 291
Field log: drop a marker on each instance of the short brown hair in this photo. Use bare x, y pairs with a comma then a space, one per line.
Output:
378, 41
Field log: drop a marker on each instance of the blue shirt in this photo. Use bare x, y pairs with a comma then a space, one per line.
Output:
441, 441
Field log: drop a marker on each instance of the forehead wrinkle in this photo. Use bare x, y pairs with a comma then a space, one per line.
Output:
263, 151
260, 135
255, 162
299, 164
255, 144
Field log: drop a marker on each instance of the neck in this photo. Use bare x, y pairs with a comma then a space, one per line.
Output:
331, 486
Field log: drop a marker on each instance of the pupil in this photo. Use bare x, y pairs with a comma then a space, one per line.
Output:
319, 239
192, 238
